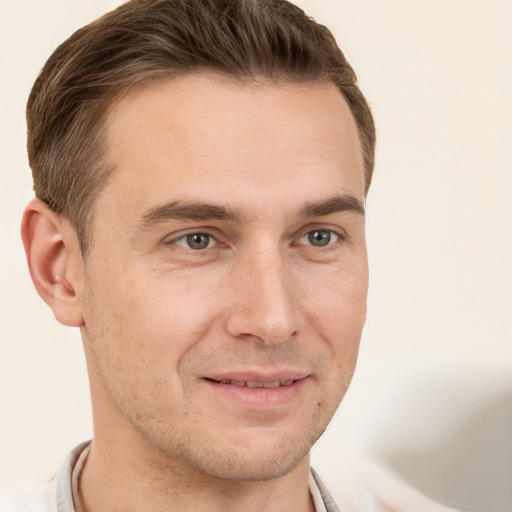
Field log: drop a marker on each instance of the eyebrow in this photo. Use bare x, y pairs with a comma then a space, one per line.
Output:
180, 210
336, 204
191, 211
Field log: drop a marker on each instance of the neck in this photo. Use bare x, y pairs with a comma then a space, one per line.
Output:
115, 479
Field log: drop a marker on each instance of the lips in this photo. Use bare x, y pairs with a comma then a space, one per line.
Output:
258, 390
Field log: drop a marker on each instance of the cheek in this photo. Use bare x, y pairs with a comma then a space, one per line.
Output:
337, 300
152, 317
337, 310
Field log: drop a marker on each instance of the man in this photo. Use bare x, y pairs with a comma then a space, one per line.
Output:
200, 170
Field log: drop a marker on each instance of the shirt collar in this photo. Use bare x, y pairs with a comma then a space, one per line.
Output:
65, 479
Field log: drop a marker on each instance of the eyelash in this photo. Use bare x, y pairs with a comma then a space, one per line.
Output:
339, 236
186, 236
330, 232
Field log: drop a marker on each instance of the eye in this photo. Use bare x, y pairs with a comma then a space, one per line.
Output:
319, 238
195, 241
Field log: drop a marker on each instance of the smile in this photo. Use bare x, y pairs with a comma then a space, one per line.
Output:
257, 391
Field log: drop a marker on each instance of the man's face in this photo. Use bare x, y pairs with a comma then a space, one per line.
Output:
225, 289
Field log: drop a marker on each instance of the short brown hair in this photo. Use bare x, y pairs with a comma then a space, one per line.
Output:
150, 39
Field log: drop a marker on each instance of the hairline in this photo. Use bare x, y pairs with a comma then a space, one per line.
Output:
109, 166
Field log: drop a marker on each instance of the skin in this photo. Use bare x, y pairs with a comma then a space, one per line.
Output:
257, 297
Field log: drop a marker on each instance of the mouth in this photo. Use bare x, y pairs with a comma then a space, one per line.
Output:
255, 384
258, 391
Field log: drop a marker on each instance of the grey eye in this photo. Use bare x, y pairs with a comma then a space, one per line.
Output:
319, 237
198, 241
195, 241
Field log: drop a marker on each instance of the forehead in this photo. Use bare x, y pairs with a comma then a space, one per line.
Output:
206, 135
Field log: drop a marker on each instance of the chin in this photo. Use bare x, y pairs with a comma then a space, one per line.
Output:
236, 466
250, 456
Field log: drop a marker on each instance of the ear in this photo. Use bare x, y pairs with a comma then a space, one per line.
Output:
54, 260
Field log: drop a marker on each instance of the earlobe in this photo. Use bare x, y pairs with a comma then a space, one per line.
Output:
53, 257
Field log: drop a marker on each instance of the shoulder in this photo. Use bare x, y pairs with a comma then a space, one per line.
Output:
43, 499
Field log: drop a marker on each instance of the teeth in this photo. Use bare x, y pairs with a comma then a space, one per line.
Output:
255, 384
251, 384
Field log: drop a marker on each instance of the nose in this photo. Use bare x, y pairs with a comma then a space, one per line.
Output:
262, 303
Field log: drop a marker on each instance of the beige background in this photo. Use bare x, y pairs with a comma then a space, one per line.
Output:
432, 397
